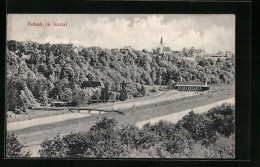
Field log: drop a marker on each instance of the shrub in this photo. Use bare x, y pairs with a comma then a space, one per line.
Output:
223, 119
53, 148
200, 127
194, 136
14, 147
224, 146
163, 129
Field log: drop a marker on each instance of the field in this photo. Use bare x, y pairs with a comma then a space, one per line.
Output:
136, 110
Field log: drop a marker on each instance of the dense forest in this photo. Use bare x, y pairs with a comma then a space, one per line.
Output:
207, 135
39, 73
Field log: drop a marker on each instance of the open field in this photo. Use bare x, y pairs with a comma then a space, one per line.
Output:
34, 135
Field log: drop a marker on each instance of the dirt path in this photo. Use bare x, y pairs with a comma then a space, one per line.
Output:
167, 96
42, 121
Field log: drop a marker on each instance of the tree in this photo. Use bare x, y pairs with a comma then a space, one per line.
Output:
44, 97
81, 97
185, 51
159, 78
27, 98
14, 87
105, 92
55, 148
144, 90
97, 94
200, 127
123, 93
67, 95
223, 118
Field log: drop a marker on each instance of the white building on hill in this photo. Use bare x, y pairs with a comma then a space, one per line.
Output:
164, 49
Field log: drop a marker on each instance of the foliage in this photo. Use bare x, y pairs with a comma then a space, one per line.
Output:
194, 136
19, 96
56, 70
14, 147
223, 118
144, 90
199, 126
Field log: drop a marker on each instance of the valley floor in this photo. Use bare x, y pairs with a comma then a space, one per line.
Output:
34, 131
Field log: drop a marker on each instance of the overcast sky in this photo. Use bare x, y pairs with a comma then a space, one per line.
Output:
211, 32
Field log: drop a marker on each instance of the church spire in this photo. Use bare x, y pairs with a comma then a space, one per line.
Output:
161, 41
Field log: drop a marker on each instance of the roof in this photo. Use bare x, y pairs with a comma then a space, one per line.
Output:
190, 84
58, 102
166, 49
90, 84
213, 55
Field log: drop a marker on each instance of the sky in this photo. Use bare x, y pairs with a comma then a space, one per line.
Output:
212, 33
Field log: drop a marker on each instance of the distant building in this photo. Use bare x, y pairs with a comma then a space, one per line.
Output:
214, 56
164, 49
59, 104
90, 84
62, 104
191, 86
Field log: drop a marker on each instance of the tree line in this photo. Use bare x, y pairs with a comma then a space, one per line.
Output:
39, 73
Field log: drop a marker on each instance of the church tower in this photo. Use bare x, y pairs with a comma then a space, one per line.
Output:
161, 46
164, 49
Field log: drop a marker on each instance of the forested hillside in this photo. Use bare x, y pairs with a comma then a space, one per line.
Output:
39, 73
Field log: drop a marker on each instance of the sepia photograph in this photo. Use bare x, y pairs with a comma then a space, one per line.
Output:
120, 86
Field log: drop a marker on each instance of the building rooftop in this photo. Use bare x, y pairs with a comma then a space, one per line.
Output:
166, 49
58, 102
190, 83
90, 84
213, 55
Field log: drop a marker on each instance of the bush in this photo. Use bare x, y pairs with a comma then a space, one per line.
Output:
14, 147
194, 136
53, 148
199, 126
224, 146
223, 119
